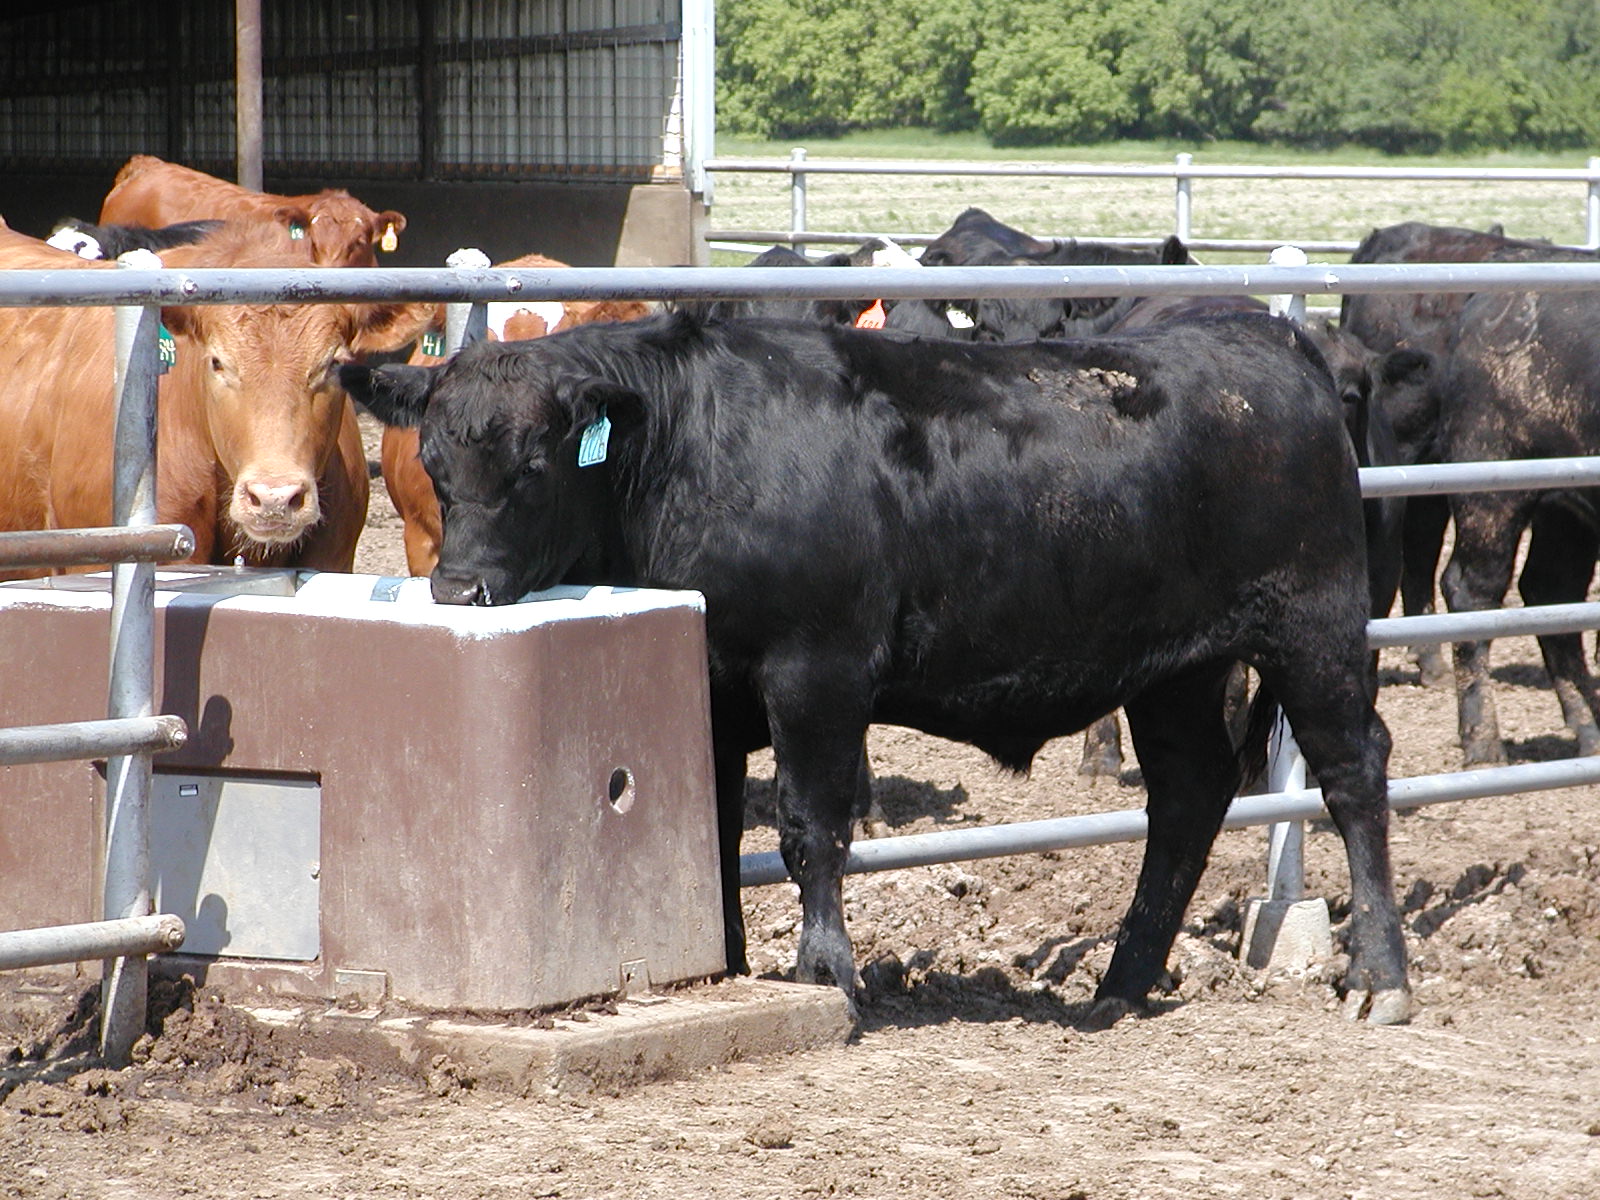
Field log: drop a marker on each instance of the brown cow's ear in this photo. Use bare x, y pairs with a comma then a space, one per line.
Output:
397, 394
379, 328
185, 321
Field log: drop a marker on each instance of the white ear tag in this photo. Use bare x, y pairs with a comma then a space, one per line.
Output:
592, 445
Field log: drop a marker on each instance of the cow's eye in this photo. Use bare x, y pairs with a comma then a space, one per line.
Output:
216, 364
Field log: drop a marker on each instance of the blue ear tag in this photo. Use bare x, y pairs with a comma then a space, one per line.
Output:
166, 350
592, 445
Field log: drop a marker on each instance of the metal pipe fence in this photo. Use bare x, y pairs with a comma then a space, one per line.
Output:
1183, 173
467, 288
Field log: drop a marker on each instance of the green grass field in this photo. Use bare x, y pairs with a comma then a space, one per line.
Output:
1291, 210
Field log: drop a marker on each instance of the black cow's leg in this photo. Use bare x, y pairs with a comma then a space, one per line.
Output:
868, 815
819, 725
1190, 776
1102, 749
1346, 746
1488, 526
1423, 541
731, 767
1560, 564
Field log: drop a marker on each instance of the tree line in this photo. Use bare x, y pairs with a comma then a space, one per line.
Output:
1404, 76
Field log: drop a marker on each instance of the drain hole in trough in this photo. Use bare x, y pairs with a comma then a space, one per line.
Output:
620, 789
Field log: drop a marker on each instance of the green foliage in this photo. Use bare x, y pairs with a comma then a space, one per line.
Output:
824, 66
1400, 75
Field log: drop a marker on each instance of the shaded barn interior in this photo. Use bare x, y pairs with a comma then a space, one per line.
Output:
553, 126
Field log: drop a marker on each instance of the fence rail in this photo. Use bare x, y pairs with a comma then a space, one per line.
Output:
1183, 172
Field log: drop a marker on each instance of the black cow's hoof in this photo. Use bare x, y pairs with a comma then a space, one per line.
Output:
1433, 670
1391, 1006
1107, 1011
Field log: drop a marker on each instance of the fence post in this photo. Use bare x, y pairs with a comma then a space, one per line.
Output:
465, 322
797, 193
1184, 199
125, 980
1284, 930
1591, 223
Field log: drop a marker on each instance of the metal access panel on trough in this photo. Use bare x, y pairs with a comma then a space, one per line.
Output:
482, 808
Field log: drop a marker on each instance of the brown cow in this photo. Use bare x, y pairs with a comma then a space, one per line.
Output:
403, 474
334, 228
259, 451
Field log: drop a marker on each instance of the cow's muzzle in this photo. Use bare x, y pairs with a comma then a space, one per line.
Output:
273, 509
454, 590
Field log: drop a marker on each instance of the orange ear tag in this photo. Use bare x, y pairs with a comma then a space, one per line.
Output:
871, 318
389, 241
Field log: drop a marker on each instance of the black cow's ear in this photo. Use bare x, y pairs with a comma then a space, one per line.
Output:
585, 397
1173, 252
1405, 366
397, 394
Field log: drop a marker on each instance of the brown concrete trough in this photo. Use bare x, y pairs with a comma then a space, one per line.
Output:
383, 798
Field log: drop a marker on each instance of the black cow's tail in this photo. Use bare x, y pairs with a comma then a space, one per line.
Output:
1251, 754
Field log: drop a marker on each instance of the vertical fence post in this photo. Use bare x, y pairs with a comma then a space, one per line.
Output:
1285, 869
469, 321
797, 193
1283, 929
1591, 222
1183, 200
1286, 771
124, 985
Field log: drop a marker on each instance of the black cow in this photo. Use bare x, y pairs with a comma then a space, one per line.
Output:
978, 240
1371, 386
109, 241
994, 543
1422, 322
928, 317
832, 312
975, 233
1523, 382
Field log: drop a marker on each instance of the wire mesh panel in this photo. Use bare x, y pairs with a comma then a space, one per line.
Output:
399, 89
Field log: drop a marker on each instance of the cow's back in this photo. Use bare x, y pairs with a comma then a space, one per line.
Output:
149, 191
1023, 490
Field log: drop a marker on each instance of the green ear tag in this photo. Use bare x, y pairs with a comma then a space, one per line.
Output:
296, 232
433, 343
592, 445
166, 349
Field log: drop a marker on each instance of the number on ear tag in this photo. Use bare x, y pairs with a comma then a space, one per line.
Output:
296, 232
592, 445
433, 344
166, 350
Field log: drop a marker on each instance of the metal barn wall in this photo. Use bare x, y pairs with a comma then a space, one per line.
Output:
408, 103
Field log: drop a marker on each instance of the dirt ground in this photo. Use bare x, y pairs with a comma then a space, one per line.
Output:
975, 1071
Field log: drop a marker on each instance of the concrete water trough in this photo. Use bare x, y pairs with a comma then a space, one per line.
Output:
383, 798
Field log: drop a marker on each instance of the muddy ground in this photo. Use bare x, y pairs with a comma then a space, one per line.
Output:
976, 1072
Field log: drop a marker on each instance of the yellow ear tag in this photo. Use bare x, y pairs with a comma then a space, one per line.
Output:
389, 240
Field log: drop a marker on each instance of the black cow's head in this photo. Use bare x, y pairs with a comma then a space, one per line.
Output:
519, 451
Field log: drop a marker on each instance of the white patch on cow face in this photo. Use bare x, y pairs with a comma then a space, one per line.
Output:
551, 312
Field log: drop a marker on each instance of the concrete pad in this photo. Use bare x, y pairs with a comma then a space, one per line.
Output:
1286, 935
649, 1037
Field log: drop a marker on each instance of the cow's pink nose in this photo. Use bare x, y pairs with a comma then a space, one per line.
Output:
275, 498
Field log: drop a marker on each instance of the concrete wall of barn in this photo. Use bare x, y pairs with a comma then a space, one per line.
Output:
586, 225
